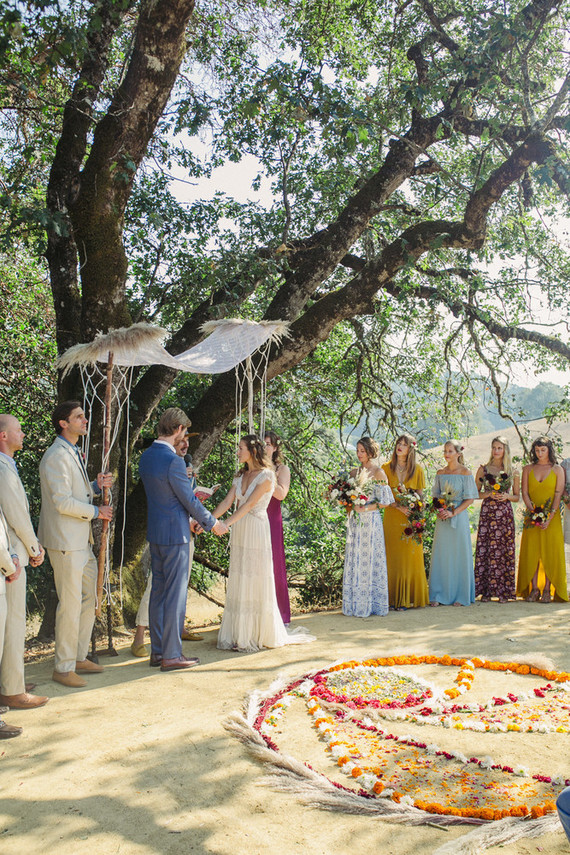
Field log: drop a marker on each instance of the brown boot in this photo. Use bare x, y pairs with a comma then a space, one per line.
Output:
86, 666
69, 679
23, 701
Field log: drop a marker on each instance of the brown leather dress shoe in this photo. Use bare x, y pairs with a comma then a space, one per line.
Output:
7, 731
69, 679
179, 664
88, 667
23, 701
188, 635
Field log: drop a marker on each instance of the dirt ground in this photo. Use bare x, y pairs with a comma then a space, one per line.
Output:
138, 763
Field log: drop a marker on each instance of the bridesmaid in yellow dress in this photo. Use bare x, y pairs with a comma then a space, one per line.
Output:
407, 584
541, 562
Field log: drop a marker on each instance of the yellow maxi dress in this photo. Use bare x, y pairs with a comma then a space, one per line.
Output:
543, 549
407, 584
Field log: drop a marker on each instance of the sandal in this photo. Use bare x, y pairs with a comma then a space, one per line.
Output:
546, 598
534, 596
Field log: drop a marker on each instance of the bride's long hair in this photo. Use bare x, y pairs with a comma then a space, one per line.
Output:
256, 448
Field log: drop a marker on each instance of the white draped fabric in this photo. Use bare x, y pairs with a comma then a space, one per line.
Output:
228, 344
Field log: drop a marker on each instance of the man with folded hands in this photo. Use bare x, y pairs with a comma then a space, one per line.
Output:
24, 543
65, 530
9, 572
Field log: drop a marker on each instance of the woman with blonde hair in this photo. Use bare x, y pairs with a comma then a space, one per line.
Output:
498, 487
541, 559
364, 582
407, 583
451, 579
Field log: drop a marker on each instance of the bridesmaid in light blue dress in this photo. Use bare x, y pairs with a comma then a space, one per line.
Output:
451, 578
365, 578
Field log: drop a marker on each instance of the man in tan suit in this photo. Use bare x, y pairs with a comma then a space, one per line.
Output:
9, 572
23, 540
65, 530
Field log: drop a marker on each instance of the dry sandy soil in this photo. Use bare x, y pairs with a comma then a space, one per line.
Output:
138, 763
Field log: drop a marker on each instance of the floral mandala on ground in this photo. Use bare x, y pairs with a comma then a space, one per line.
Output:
343, 700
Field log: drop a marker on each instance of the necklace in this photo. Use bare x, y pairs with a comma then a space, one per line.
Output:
401, 472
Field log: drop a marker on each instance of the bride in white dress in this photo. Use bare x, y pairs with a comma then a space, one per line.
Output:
251, 618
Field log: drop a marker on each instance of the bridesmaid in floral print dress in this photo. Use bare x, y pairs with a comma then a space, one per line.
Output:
495, 553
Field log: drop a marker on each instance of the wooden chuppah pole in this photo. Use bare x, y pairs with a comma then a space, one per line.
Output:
105, 499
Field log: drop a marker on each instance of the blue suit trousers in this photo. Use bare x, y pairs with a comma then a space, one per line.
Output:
563, 807
168, 594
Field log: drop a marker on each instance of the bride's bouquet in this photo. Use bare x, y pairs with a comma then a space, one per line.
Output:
417, 516
347, 493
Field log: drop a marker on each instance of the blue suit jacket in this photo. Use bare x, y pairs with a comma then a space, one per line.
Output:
170, 497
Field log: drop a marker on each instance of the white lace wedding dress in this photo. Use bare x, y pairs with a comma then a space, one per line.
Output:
251, 618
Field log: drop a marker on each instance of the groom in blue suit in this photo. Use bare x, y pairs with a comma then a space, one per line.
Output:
171, 501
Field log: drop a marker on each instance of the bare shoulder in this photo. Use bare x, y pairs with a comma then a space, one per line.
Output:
442, 471
379, 475
464, 471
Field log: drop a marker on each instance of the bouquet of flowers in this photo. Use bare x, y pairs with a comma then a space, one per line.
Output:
446, 500
538, 515
347, 493
500, 483
417, 516
566, 495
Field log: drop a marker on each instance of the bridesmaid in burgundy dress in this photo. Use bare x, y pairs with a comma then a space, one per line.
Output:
283, 474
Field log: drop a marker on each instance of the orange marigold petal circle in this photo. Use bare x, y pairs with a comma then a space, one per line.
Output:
399, 776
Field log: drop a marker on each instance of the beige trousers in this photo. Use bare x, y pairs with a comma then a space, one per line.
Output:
12, 668
3, 612
142, 614
75, 575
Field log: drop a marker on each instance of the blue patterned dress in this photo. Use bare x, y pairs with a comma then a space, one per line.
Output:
365, 578
451, 578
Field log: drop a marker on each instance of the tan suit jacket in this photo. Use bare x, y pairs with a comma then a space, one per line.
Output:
14, 504
7, 566
67, 496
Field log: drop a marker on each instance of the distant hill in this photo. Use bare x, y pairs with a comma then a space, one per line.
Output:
478, 448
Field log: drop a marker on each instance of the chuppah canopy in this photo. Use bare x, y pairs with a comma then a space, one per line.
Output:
230, 344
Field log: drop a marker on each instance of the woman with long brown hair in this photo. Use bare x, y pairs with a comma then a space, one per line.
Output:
407, 583
541, 560
251, 618
364, 581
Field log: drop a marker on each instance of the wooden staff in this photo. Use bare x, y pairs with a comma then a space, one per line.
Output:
106, 447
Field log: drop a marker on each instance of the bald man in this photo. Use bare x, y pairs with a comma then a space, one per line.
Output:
25, 544
9, 572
